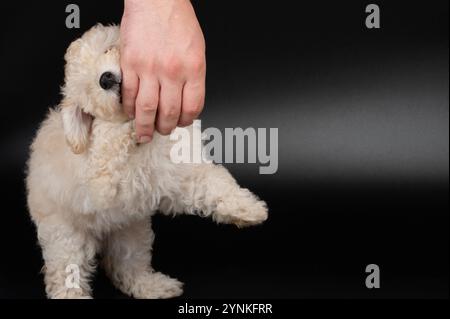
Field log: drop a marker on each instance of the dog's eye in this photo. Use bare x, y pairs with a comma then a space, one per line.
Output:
109, 49
108, 80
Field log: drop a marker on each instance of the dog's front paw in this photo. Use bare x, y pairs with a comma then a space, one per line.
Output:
242, 210
257, 217
156, 286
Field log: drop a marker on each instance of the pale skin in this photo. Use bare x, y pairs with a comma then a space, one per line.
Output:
163, 65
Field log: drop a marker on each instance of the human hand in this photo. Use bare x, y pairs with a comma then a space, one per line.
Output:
163, 65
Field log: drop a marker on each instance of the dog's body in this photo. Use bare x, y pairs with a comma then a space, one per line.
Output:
92, 189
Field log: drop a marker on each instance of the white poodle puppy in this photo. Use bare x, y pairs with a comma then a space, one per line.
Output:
92, 189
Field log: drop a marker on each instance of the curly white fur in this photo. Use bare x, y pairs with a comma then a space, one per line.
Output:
92, 189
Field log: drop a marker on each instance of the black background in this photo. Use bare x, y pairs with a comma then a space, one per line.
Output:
363, 151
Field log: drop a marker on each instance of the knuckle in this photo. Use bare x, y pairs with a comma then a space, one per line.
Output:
170, 112
196, 63
165, 130
143, 126
172, 68
192, 110
135, 60
129, 108
147, 107
129, 91
147, 64
185, 122
128, 57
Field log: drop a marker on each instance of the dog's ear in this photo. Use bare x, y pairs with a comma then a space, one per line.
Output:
73, 50
77, 126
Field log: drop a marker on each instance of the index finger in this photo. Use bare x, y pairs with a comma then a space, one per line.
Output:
130, 85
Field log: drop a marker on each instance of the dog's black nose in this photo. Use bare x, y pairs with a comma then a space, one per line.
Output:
108, 80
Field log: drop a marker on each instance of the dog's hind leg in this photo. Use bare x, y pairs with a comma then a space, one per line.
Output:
69, 258
127, 261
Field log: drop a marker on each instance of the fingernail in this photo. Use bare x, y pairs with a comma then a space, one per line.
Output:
144, 139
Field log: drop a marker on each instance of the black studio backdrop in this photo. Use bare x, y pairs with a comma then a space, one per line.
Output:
363, 147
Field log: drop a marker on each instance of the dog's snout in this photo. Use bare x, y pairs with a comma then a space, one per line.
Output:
109, 80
